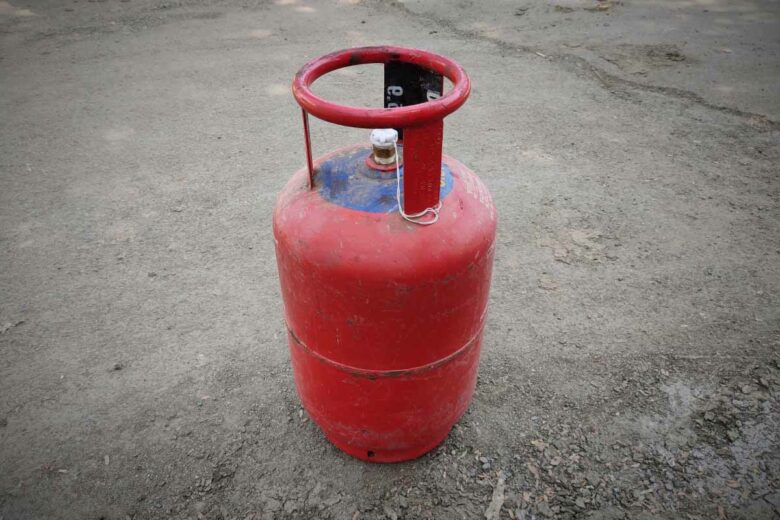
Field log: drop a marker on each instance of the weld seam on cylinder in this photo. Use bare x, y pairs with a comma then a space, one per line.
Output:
376, 374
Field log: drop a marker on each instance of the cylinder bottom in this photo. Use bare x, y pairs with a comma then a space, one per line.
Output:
389, 416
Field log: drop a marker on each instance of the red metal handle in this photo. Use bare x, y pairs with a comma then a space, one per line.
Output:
401, 117
422, 123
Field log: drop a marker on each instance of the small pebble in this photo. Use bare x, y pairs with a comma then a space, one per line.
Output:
544, 509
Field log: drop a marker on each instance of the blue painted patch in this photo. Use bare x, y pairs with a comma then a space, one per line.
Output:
347, 180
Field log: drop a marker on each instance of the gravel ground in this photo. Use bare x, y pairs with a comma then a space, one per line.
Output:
630, 365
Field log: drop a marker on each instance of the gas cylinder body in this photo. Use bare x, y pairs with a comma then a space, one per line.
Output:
384, 316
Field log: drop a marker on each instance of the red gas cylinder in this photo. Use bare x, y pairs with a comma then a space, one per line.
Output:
385, 313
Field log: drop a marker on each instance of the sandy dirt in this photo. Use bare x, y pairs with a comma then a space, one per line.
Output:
630, 366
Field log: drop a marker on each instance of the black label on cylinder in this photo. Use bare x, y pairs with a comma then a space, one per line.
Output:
407, 84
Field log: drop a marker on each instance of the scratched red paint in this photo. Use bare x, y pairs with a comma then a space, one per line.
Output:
385, 317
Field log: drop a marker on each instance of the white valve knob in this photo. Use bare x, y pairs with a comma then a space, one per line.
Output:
383, 137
